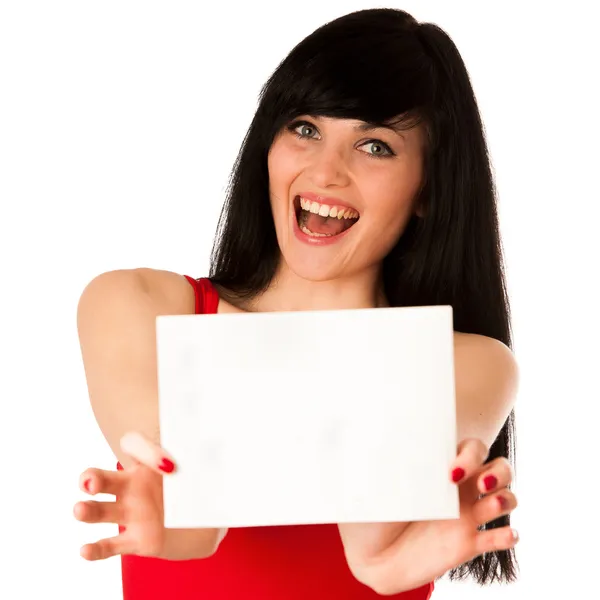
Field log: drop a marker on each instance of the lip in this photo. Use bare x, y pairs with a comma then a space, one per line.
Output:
316, 241
328, 200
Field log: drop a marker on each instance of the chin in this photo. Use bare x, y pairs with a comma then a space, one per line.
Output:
319, 264
311, 271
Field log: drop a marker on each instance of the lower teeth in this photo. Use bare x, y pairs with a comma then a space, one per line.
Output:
313, 234
303, 217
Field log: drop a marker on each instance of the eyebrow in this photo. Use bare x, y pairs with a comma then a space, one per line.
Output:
372, 126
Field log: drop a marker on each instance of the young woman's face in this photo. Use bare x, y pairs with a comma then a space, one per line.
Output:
341, 196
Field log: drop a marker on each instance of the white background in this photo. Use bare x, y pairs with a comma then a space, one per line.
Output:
119, 124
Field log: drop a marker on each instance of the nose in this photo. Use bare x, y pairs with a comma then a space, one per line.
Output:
328, 168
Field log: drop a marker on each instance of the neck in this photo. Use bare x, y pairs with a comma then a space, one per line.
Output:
289, 292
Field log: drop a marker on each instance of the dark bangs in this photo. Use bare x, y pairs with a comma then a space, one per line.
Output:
352, 68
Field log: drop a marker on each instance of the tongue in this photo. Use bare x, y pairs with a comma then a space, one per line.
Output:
331, 225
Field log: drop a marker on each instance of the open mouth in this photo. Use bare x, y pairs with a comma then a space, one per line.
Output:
321, 220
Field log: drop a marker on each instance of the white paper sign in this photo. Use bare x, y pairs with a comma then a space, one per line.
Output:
308, 417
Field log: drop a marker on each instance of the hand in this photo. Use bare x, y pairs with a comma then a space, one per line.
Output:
426, 550
138, 509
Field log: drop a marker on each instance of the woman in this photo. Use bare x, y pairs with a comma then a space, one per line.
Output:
363, 181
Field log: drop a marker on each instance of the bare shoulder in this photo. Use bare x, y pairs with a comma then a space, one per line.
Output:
487, 381
168, 288
170, 292
473, 347
479, 353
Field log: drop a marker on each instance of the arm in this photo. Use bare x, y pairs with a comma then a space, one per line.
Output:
116, 321
486, 381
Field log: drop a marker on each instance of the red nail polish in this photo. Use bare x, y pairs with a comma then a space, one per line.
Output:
86, 484
490, 482
458, 474
503, 502
166, 465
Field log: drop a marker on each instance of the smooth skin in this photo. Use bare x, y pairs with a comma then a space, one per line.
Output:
116, 323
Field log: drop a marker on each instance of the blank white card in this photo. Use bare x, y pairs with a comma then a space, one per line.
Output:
308, 417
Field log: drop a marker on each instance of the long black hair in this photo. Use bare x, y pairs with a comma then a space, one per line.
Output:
383, 66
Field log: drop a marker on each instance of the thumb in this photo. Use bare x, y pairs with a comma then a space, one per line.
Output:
148, 453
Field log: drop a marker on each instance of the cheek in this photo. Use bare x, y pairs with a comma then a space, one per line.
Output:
282, 164
389, 216
390, 224
383, 234
279, 187
395, 197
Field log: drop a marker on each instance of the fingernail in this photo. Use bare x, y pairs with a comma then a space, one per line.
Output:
503, 502
458, 474
515, 535
86, 485
490, 482
166, 465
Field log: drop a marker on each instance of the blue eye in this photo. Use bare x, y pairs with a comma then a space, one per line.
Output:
303, 125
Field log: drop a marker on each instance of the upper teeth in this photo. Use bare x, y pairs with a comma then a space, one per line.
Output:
325, 210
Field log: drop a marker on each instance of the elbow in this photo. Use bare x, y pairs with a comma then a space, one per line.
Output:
376, 578
212, 542
220, 535
386, 577
206, 552
191, 544
385, 586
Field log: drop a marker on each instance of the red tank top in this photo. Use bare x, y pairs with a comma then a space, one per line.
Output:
298, 562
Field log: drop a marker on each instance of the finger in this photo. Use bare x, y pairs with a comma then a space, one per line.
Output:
497, 474
148, 453
471, 454
493, 506
98, 512
99, 481
491, 540
119, 544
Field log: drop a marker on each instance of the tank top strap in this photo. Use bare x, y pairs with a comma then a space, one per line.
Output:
207, 297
